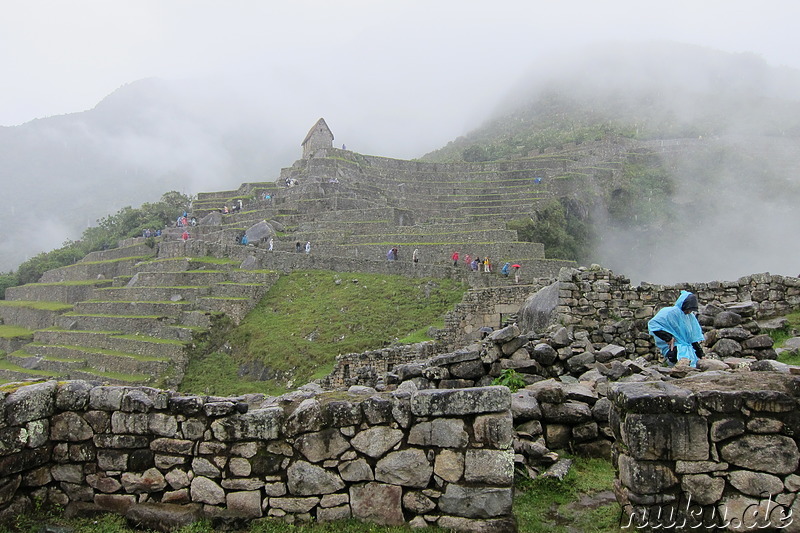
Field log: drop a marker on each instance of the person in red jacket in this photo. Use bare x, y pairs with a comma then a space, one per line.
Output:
455, 259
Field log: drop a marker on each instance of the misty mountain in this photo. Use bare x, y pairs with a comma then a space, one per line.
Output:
724, 129
60, 174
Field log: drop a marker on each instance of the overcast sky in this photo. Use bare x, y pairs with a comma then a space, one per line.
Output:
437, 65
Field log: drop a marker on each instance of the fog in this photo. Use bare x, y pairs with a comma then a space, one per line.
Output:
728, 135
232, 88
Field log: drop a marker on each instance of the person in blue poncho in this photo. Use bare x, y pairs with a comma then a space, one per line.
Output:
677, 332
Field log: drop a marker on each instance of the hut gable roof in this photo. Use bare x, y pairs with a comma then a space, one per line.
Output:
319, 127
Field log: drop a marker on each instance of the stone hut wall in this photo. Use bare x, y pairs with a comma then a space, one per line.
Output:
162, 459
714, 451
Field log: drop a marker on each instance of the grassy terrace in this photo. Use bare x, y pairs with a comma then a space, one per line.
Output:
143, 338
12, 332
74, 313
5, 364
118, 376
109, 353
32, 304
208, 260
70, 283
309, 317
94, 331
136, 302
156, 287
110, 261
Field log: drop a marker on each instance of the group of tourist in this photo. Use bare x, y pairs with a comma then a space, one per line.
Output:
475, 263
183, 221
235, 208
151, 233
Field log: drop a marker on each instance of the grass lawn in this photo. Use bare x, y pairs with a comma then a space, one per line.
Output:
309, 317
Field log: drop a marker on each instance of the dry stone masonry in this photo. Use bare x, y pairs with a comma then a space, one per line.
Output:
163, 459
717, 450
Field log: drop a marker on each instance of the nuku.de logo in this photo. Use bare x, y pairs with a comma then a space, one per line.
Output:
683, 514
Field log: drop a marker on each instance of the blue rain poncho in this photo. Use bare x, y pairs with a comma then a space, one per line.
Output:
684, 327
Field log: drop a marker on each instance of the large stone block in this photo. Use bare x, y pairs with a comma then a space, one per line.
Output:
489, 467
524, 406
409, 468
656, 437
377, 503
569, 412
106, 398
164, 516
259, 424
440, 432
703, 488
305, 479
32, 402
494, 430
204, 490
776, 454
69, 426
449, 465
476, 502
376, 441
73, 395
756, 484
245, 503
645, 477
321, 445
458, 402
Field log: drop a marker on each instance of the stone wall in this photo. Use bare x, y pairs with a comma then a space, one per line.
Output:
370, 367
161, 459
713, 451
593, 298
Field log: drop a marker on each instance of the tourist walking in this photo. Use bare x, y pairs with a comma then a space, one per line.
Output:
487, 266
308, 247
271, 242
454, 257
415, 256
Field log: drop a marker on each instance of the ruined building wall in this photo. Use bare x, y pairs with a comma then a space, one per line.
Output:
161, 459
713, 451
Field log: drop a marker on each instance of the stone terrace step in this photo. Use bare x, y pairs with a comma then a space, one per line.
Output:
153, 326
140, 307
67, 292
111, 340
93, 270
63, 358
372, 228
193, 278
33, 361
31, 315
438, 253
10, 372
157, 293
477, 235
137, 248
